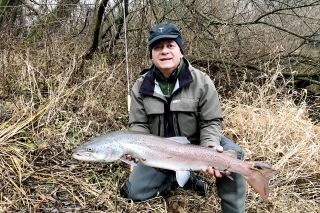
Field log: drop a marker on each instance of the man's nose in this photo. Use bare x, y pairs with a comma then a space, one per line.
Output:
165, 50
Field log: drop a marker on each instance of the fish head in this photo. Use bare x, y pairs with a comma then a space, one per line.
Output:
93, 151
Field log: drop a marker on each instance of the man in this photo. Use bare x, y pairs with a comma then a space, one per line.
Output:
174, 99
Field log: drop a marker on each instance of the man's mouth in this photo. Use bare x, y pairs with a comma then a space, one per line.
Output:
165, 59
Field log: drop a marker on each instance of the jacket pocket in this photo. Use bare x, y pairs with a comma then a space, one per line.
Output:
184, 105
153, 106
186, 110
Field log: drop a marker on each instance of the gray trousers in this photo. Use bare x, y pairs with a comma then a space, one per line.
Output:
146, 182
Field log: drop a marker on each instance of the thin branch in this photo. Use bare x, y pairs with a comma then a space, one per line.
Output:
284, 9
306, 38
257, 20
308, 80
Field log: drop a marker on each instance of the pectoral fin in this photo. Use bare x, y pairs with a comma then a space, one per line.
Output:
182, 177
128, 161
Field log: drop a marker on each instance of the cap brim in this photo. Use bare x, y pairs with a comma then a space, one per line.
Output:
161, 37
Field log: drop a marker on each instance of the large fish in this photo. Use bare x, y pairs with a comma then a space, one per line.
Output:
173, 154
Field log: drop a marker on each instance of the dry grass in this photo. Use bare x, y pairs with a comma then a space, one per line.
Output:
47, 110
277, 131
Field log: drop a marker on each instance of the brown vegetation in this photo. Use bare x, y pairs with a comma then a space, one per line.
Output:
52, 99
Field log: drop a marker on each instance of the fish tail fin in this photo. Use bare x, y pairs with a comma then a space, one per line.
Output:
259, 177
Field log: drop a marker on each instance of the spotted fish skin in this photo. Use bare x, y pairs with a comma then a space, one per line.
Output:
172, 154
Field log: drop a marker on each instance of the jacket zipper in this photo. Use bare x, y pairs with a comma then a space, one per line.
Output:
159, 125
176, 124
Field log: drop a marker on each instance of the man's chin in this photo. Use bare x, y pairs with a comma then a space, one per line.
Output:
167, 69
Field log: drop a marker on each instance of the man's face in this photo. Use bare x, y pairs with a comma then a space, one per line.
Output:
166, 56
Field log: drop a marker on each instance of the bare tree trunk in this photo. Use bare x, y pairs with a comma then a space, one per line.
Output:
96, 30
114, 36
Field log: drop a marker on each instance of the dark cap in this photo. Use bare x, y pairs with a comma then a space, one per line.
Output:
162, 31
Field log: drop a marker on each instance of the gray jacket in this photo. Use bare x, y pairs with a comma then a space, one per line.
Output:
193, 108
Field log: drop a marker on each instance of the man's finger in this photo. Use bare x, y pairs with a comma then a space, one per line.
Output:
219, 148
210, 170
217, 173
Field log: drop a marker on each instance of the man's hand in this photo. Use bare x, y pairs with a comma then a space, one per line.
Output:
215, 172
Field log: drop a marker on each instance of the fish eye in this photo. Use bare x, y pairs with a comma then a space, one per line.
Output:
89, 149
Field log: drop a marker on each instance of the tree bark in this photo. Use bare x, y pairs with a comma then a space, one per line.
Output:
96, 29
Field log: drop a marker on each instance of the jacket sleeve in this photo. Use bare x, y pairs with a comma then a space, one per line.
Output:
210, 115
138, 119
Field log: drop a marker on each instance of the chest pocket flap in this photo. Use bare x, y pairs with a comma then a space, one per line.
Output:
184, 105
153, 105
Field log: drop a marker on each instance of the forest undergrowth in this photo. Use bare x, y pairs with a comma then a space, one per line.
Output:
48, 106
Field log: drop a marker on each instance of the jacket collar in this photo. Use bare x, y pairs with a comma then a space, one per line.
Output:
148, 84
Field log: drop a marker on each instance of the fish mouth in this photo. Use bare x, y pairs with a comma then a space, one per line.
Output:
83, 156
